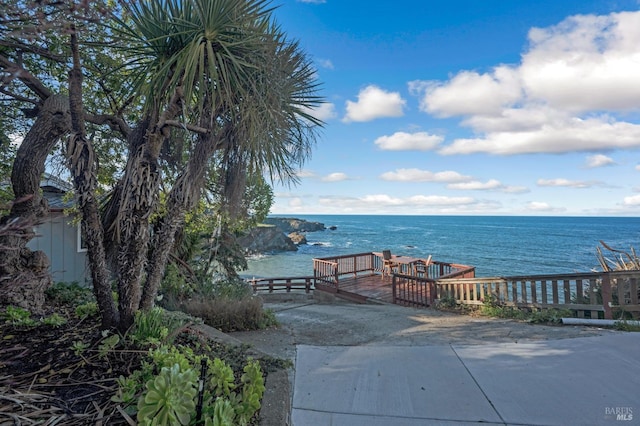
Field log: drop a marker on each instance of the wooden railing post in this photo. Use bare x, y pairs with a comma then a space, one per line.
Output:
606, 295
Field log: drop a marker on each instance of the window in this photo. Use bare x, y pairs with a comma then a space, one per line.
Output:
81, 243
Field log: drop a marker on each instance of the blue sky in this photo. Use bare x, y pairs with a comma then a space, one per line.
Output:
483, 107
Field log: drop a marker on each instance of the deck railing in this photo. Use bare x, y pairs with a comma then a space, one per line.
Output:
327, 271
415, 290
589, 295
281, 284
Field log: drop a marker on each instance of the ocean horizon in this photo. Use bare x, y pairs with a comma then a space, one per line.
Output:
495, 245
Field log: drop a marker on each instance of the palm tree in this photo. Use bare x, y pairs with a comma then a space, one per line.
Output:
219, 77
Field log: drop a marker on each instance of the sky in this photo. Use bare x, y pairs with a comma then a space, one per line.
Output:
470, 107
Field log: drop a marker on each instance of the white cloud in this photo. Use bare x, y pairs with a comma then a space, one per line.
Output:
511, 189
325, 63
305, 174
335, 177
472, 93
540, 206
490, 185
633, 200
585, 63
564, 96
374, 103
565, 183
476, 185
376, 202
325, 111
439, 200
575, 134
295, 202
417, 175
637, 167
599, 160
454, 180
401, 141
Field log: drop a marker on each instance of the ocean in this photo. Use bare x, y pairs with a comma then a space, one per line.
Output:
495, 245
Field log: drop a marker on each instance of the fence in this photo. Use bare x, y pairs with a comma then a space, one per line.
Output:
419, 291
328, 271
281, 284
589, 295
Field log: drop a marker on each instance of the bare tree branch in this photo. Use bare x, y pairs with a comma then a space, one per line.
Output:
33, 48
116, 123
191, 127
26, 77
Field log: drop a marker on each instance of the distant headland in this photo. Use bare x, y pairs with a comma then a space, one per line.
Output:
278, 234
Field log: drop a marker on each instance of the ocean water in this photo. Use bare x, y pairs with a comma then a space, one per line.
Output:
495, 245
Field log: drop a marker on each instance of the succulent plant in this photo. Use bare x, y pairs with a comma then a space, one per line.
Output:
222, 380
223, 414
169, 398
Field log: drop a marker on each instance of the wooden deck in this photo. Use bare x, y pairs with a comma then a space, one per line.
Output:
366, 288
358, 277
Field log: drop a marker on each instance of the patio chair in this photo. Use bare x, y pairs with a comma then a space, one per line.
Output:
387, 262
421, 267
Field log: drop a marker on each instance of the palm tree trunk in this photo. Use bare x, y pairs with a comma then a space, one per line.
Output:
183, 197
137, 204
82, 163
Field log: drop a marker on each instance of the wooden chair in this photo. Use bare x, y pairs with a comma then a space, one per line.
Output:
421, 267
387, 262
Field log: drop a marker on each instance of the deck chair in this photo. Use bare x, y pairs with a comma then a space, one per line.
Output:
387, 263
421, 267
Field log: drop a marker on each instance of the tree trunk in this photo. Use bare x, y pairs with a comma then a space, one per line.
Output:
137, 204
183, 196
24, 274
82, 163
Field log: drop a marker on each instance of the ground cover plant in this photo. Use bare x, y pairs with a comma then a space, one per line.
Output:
61, 368
493, 307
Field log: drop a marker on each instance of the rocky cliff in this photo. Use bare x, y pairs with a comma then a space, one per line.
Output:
279, 234
289, 225
264, 239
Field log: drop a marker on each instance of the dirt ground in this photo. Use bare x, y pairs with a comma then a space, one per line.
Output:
304, 321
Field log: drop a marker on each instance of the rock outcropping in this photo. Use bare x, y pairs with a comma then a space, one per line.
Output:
280, 234
289, 225
264, 239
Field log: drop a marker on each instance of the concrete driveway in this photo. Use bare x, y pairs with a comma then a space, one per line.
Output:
389, 365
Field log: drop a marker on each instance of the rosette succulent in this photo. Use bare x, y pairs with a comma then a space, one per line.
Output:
169, 398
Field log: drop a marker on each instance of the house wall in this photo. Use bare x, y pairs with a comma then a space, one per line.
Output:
59, 240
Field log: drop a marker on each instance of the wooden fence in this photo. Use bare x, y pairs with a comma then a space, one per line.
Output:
328, 271
589, 295
420, 291
270, 285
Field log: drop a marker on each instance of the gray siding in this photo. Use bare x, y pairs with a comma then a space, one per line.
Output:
59, 240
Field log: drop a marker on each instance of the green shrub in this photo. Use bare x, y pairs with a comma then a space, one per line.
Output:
549, 316
174, 285
447, 302
155, 326
228, 288
69, 293
624, 325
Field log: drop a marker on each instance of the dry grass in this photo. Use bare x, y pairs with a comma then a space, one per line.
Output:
228, 314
